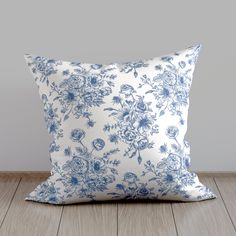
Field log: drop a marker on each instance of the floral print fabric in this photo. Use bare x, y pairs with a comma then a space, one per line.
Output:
118, 130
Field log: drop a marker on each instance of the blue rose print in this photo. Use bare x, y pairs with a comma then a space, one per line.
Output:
44, 67
87, 173
77, 135
172, 132
127, 90
128, 158
135, 122
170, 87
98, 144
171, 173
80, 89
132, 188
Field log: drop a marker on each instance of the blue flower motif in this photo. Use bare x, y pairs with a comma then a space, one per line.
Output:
163, 148
114, 138
126, 89
44, 67
69, 96
47, 192
88, 97
96, 66
187, 162
52, 119
67, 151
142, 144
77, 135
135, 122
74, 180
130, 177
98, 166
182, 97
120, 187
116, 99
170, 87
98, 144
143, 191
54, 147
131, 188
77, 166
90, 123
171, 173
81, 90
172, 132
52, 127
89, 174
75, 81
169, 78
141, 106
128, 134
144, 122
94, 80
124, 115
168, 179
182, 64
105, 91
165, 93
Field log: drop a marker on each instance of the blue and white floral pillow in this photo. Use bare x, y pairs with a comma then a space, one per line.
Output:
118, 130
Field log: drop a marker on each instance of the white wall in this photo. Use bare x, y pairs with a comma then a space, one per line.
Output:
107, 31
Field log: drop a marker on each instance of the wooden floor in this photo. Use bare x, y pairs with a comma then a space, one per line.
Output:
212, 217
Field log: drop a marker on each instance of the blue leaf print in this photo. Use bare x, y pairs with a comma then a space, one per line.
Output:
133, 67
52, 119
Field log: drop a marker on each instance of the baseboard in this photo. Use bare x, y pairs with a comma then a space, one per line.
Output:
45, 174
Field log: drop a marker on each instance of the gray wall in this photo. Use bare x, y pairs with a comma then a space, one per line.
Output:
104, 31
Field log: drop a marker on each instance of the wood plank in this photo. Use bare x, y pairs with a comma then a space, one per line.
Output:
8, 187
216, 173
208, 217
27, 174
136, 219
227, 188
92, 219
30, 218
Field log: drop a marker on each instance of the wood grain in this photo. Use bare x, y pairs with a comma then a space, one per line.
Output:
94, 219
8, 187
208, 218
29, 218
227, 187
211, 217
26, 174
136, 219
